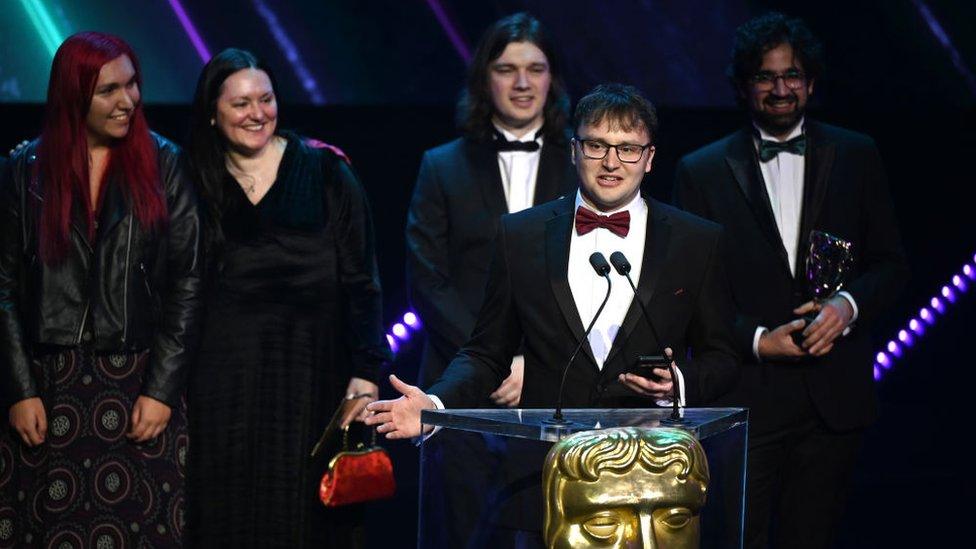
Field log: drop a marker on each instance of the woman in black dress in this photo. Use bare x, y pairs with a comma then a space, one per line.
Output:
99, 305
293, 320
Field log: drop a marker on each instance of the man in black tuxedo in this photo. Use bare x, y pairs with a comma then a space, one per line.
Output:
769, 185
542, 292
514, 153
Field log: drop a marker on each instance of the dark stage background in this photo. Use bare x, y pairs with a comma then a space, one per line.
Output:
379, 79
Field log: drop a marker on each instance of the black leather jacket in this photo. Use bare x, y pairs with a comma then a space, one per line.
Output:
128, 291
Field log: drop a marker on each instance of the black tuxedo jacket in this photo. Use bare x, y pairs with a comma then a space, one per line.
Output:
528, 303
452, 222
845, 193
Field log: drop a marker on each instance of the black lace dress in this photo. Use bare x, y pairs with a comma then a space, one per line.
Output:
294, 312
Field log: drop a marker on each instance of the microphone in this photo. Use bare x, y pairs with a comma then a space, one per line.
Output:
602, 268
622, 267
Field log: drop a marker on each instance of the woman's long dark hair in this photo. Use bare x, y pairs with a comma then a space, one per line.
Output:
205, 146
474, 109
63, 152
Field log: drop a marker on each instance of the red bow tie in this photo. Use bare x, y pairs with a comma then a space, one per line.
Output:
587, 220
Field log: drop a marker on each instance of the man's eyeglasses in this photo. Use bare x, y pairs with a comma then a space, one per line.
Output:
598, 150
766, 80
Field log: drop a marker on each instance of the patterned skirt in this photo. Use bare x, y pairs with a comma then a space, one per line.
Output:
88, 485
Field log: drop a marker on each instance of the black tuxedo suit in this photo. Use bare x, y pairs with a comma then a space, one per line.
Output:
452, 223
528, 297
845, 194
529, 307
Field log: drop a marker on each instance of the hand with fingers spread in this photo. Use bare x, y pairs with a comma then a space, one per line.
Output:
778, 344
149, 419
400, 418
835, 314
509, 392
355, 408
29, 419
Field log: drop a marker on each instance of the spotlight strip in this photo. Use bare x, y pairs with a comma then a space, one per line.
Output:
927, 315
291, 52
191, 30
44, 25
451, 30
401, 331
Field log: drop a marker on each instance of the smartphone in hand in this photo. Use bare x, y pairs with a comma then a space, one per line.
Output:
645, 365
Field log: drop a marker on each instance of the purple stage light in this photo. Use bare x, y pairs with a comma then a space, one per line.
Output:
940, 34
400, 331
191, 31
948, 294
410, 319
916, 326
288, 47
394, 346
926, 315
894, 349
959, 282
451, 30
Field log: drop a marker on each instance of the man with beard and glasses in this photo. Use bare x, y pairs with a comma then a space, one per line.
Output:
770, 184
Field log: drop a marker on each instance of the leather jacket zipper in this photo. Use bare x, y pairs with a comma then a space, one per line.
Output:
125, 284
84, 319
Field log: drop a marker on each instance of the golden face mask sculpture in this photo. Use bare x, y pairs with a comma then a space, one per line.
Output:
625, 487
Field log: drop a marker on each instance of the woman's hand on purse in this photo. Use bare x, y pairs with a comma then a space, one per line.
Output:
354, 407
29, 419
149, 419
400, 418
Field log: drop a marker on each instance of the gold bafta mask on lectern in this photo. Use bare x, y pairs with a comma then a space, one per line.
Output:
625, 487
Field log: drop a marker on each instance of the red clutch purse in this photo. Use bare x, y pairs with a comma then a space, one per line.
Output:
358, 475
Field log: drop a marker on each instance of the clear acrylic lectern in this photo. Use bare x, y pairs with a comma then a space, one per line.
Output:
519, 439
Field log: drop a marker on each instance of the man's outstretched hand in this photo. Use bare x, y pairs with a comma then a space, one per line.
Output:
400, 418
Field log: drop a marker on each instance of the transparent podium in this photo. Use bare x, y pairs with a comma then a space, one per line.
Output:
506, 476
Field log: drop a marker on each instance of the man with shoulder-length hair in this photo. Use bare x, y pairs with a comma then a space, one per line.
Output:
513, 154
808, 386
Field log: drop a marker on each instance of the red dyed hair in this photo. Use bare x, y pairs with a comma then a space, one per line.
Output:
63, 151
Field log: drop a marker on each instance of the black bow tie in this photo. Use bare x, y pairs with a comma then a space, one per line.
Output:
504, 145
769, 149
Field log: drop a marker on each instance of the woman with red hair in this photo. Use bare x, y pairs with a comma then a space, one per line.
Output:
99, 307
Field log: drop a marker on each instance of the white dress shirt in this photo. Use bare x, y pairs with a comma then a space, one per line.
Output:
783, 178
519, 170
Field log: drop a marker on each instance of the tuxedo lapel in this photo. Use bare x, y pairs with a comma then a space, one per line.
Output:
655, 259
819, 159
484, 170
552, 168
742, 160
558, 234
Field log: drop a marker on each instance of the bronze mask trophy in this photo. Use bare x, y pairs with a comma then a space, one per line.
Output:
625, 487
828, 263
